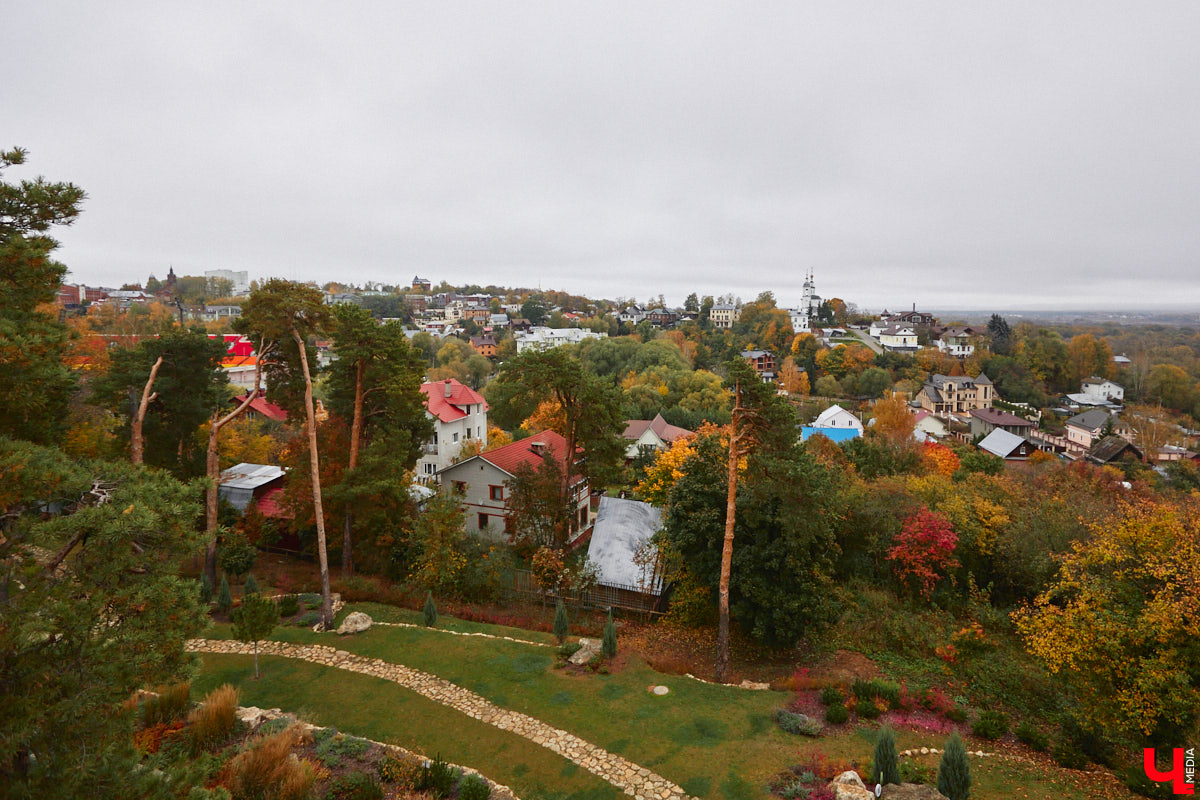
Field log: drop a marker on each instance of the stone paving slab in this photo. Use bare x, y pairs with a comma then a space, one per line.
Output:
630, 778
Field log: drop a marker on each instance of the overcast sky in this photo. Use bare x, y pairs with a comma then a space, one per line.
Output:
1040, 155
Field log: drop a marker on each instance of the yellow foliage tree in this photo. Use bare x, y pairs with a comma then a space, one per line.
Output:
792, 378
548, 416
667, 468
893, 423
1119, 622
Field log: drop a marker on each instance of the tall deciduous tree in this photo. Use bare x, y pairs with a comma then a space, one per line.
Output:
375, 383
285, 311
91, 608
32, 342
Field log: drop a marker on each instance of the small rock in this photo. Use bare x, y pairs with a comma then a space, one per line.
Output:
355, 622
659, 690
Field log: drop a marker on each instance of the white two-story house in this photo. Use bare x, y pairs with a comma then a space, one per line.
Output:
459, 416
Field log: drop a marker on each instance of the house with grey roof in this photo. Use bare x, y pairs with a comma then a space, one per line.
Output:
1112, 449
1007, 445
986, 420
1084, 429
944, 395
624, 554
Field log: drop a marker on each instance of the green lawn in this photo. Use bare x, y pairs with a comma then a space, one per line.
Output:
381, 710
715, 741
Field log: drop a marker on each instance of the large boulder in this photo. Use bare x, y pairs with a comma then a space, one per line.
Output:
848, 786
911, 791
589, 649
355, 622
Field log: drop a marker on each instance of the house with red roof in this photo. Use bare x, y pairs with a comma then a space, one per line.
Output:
481, 482
261, 408
656, 433
459, 416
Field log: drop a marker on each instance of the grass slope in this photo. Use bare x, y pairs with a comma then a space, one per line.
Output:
715, 741
383, 711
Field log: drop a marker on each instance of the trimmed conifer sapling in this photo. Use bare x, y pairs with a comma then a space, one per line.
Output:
954, 771
561, 628
206, 589
430, 611
224, 596
250, 586
887, 760
608, 643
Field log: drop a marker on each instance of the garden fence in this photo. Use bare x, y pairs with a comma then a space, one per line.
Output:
628, 598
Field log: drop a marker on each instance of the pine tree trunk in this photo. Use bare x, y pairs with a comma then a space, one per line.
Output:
356, 427
722, 668
314, 462
256, 659
212, 469
135, 435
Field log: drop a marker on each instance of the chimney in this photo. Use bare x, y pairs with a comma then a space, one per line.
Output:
449, 389
538, 447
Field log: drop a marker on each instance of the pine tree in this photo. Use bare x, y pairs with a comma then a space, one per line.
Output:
250, 586
954, 772
224, 596
887, 761
32, 343
608, 644
430, 611
206, 590
560, 622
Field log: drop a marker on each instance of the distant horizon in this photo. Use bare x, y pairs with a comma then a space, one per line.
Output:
940, 309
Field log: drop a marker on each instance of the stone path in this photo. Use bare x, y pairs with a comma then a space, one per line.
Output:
633, 780
460, 633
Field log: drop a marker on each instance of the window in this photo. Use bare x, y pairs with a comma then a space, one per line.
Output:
455, 437
460, 487
496, 492
429, 468
483, 522
479, 432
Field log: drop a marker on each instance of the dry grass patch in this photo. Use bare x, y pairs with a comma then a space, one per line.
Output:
215, 719
267, 770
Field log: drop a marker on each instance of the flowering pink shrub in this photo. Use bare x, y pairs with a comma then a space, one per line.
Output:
924, 550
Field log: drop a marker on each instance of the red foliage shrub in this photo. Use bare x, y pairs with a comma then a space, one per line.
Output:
825, 767
924, 550
935, 700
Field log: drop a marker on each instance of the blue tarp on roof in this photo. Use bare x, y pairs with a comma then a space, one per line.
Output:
837, 435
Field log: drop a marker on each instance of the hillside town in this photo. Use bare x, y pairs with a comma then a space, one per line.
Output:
694, 401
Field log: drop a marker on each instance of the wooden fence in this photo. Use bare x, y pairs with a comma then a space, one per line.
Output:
628, 598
